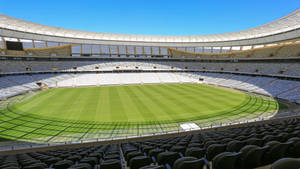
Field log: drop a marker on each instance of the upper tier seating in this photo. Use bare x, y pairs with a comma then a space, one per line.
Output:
276, 68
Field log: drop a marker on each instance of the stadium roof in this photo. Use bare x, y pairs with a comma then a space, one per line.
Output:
287, 27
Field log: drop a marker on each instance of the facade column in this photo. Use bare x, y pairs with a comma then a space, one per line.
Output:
80, 49
143, 50
118, 47
159, 51
3, 42
134, 50
33, 44
91, 50
100, 50
126, 50
109, 50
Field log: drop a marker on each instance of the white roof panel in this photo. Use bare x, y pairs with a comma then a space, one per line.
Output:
284, 24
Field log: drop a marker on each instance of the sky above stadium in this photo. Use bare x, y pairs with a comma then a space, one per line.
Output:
151, 17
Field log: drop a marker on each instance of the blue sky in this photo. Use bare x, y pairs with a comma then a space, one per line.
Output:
151, 17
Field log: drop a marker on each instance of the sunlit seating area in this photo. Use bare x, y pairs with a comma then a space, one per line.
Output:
285, 89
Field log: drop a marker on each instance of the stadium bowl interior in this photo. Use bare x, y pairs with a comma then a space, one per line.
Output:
76, 99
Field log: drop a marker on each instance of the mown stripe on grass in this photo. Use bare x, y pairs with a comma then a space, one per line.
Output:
207, 98
143, 109
172, 108
116, 106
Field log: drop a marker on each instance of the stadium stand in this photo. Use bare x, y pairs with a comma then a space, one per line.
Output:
273, 68
241, 147
15, 84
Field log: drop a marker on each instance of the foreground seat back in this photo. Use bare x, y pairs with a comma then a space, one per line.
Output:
226, 160
214, 150
153, 167
286, 163
111, 164
195, 152
167, 158
139, 161
188, 163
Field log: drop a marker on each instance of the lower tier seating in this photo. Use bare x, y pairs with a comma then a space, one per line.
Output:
12, 85
236, 148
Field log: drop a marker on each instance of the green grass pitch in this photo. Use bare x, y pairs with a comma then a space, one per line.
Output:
92, 112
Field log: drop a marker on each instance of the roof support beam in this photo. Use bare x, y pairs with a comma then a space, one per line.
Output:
4, 43
159, 50
33, 44
143, 50
100, 49
109, 50
91, 50
118, 48
134, 50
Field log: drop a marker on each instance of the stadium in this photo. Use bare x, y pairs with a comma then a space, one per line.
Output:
89, 100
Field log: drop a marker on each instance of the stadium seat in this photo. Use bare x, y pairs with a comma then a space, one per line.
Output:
36, 166
90, 160
179, 149
234, 146
252, 156
167, 158
63, 164
195, 152
154, 153
153, 167
188, 163
133, 154
214, 150
286, 163
139, 161
111, 164
226, 160
276, 152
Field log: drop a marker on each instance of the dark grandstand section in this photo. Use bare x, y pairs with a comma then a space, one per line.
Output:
14, 45
241, 147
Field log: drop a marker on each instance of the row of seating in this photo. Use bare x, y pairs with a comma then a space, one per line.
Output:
284, 89
237, 148
269, 68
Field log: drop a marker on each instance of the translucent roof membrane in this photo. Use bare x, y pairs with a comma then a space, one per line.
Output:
284, 24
